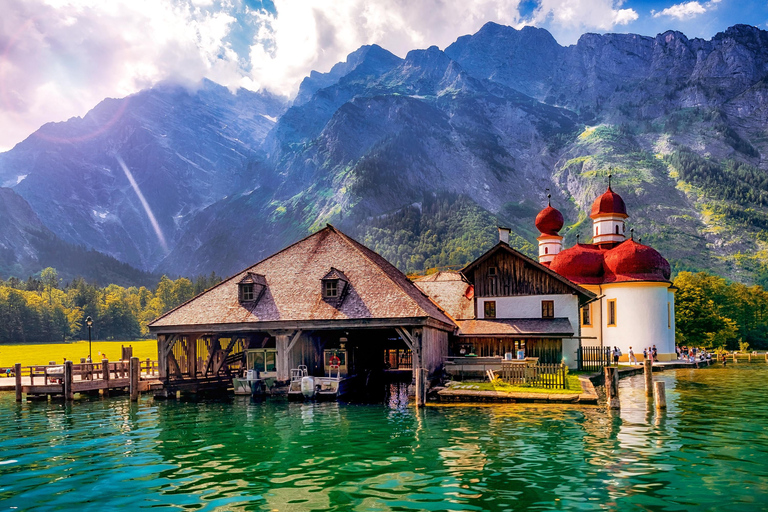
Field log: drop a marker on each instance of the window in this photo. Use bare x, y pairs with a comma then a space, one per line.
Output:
492, 271
617, 229
262, 359
596, 230
586, 318
251, 288
547, 309
546, 250
490, 309
246, 292
331, 289
612, 313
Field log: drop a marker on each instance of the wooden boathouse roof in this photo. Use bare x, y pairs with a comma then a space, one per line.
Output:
451, 291
376, 292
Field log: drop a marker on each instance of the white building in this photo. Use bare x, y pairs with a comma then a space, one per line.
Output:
636, 300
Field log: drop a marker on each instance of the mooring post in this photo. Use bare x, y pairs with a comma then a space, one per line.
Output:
133, 371
661, 395
419, 385
648, 370
69, 394
17, 374
612, 387
105, 376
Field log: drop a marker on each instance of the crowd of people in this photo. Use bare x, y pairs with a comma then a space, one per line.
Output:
684, 353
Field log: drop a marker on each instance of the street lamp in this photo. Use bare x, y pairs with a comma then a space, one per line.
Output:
89, 322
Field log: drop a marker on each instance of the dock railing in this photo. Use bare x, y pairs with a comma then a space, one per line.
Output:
552, 376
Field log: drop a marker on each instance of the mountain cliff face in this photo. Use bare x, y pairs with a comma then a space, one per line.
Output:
183, 149
421, 157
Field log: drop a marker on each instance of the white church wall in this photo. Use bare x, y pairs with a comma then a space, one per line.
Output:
641, 318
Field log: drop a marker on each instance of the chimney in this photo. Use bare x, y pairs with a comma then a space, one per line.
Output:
504, 235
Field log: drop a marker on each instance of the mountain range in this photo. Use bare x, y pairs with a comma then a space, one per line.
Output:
418, 157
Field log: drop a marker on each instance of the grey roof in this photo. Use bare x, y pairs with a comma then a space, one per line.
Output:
294, 275
526, 327
451, 292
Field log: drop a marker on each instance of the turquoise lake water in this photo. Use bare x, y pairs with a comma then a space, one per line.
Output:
708, 451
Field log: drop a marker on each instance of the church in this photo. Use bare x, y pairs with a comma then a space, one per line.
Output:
635, 305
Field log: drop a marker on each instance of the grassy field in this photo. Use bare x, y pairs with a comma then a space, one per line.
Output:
42, 353
573, 387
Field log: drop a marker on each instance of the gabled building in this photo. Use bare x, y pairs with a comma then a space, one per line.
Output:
504, 302
326, 291
636, 306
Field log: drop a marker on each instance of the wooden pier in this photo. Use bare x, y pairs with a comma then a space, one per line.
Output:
66, 379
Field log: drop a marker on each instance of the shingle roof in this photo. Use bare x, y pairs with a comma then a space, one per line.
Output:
451, 291
377, 290
516, 327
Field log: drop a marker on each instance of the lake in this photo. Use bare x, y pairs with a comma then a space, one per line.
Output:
708, 450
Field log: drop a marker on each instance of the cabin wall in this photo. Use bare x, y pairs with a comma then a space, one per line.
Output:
514, 276
434, 348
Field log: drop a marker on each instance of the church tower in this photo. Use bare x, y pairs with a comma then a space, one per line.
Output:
608, 216
549, 222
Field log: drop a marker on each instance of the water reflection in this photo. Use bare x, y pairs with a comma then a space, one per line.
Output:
708, 450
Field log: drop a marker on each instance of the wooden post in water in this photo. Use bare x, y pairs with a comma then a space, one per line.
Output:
661, 395
419, 385
69, 394
648, 377
134, 378
612, 387
105, 376
17, 374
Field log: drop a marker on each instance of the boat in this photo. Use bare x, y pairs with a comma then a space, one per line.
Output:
335, 383
260, 373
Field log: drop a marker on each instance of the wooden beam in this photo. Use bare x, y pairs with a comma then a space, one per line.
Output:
170, 342
229, 348
293, 341
172, 359
406, 336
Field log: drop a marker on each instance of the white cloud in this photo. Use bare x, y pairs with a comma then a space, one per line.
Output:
58, 58
583, 15
683, 11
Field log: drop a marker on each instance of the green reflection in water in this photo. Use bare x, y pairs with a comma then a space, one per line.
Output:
708, 451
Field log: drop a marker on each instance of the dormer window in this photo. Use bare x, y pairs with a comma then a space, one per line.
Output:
251, 287
334, 287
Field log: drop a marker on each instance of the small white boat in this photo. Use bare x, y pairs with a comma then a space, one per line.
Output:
334, 384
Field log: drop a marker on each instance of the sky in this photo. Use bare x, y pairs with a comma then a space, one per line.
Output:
61, 57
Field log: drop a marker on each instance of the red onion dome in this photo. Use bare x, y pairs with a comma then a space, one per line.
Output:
632, 261
582, 264
549, 221
609, 202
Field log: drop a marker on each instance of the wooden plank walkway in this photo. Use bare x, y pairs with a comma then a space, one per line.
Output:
69, 378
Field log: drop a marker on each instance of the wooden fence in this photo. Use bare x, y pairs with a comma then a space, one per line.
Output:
594, 359
551, 376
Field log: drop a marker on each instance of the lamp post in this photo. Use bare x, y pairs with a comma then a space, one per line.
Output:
89, 322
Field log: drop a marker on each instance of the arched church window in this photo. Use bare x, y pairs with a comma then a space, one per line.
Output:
617, 229
546, 250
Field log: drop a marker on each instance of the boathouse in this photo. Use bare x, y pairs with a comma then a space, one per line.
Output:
506, 303
326, 292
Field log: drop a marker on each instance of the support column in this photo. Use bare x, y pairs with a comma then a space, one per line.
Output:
661, 395
612, 387
69, 394
105, 376
17, 374
648, 370
134, 379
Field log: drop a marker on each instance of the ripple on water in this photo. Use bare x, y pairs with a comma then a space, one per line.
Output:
708, 450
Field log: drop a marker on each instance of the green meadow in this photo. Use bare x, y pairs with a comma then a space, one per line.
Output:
42, 353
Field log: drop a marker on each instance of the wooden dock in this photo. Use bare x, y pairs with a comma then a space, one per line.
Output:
69, 378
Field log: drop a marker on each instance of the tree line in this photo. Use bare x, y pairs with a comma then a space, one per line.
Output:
713, 312
41, 309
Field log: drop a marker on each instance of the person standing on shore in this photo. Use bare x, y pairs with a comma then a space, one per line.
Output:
632, 358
